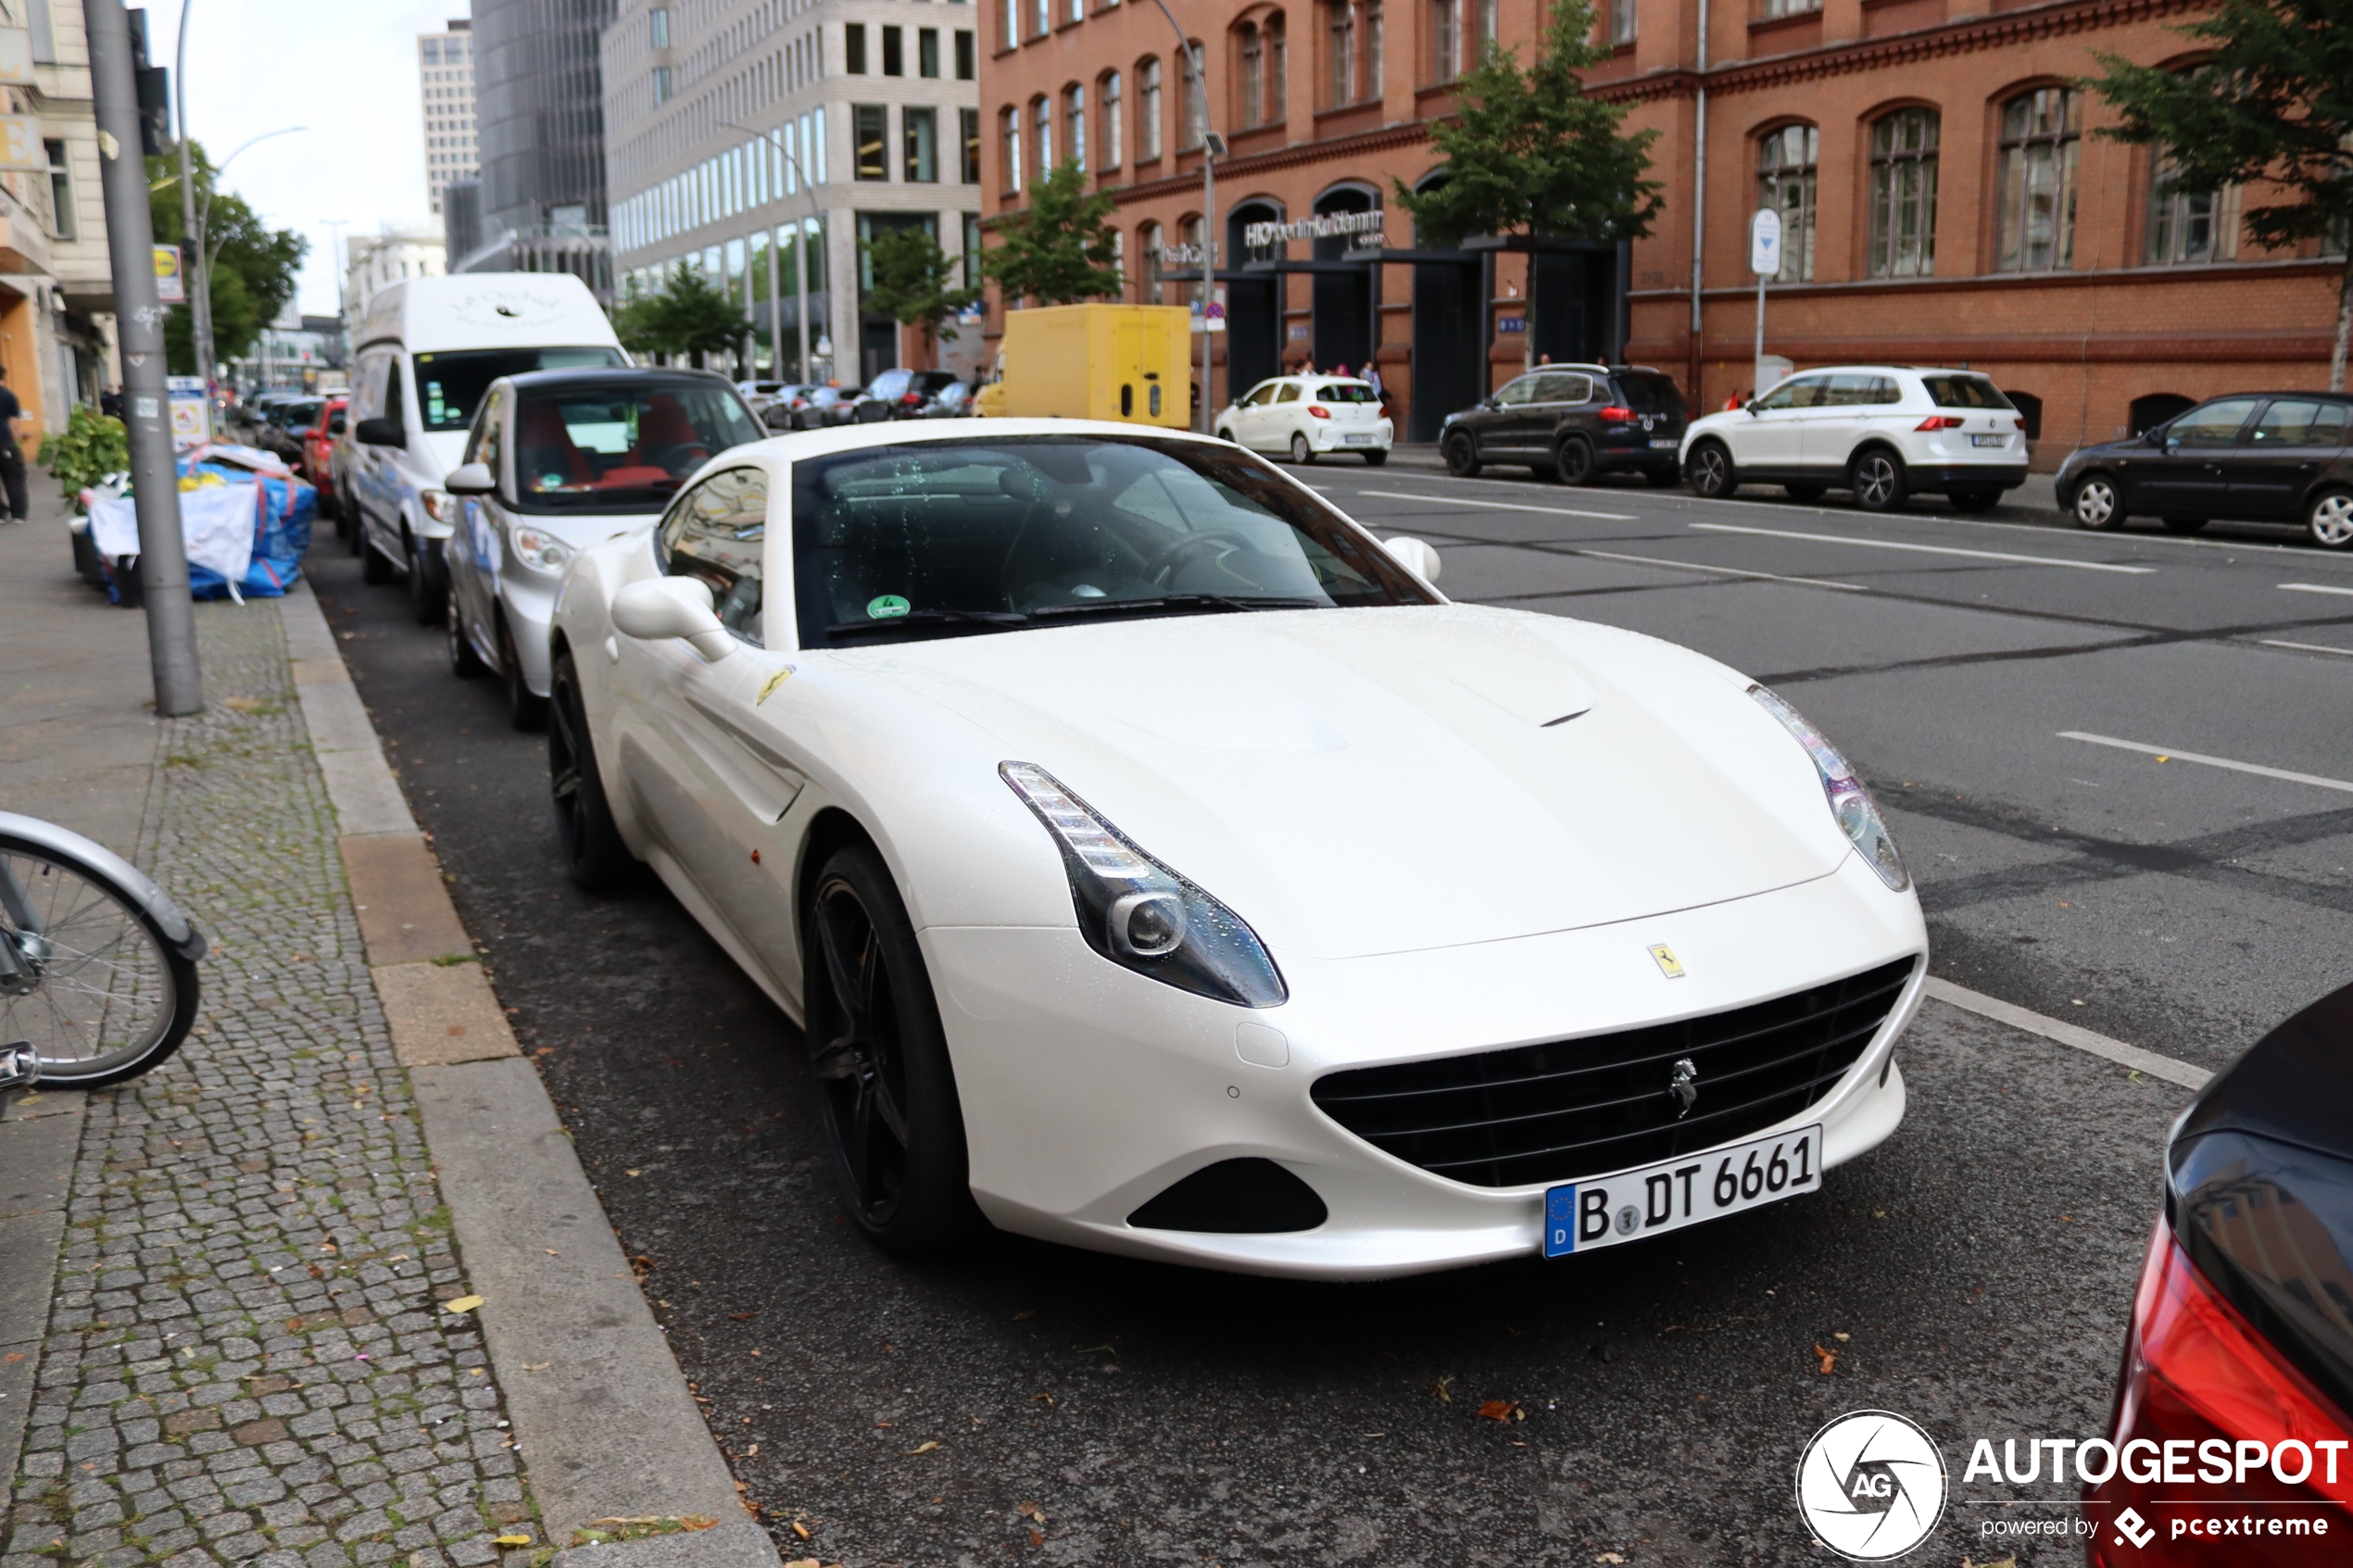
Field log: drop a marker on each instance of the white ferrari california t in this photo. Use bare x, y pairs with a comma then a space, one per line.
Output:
1155, 861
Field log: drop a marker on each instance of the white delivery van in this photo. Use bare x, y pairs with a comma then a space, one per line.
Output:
425, 351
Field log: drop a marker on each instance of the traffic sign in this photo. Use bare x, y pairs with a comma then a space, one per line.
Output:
1765, 243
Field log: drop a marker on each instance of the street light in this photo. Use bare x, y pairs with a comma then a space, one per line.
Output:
1211, 145
800, 250
201, 233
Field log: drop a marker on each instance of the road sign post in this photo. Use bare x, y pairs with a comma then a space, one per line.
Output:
1765, 261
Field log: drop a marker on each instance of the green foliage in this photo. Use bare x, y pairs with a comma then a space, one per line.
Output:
1057, 250
253, 269
2273, 103
1529, 153
914, 282
689, 315
92, 445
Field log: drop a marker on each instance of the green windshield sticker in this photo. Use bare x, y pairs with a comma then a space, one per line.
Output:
882, 607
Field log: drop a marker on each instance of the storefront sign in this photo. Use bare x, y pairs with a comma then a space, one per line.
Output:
20, 145
1364, 228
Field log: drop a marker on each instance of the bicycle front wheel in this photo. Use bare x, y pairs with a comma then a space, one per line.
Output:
87, 980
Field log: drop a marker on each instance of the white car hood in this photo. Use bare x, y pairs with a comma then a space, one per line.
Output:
1361, 782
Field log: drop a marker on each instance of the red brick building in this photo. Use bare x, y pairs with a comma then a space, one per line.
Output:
1946, 194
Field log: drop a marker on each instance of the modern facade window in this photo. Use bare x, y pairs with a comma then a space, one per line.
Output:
1194, 101
1147, 111
1446, 39
1785, 160
1041, 114
927, 51
919, 144
662, 84
2184, 226
968, 137
61, 225
1903, 193
853, 48
1339, 53
1009, 134
972, 250
1147, 246
1075, 124
1107, 94
894, 51
1621, 22
658, 27
2035, 218
870, 131
966, 68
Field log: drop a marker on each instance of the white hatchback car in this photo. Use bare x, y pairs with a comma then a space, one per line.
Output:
1307, 416
559, 461
1886, 433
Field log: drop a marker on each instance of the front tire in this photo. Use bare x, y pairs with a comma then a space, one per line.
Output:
2330, 521
1301, 452
2095, 504
1709, 471
1574, 458
1461, 458
892, 1119
1228, 435
595, 853
1877, 480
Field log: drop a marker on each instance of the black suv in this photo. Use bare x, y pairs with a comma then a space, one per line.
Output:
2253, 456
1579, 421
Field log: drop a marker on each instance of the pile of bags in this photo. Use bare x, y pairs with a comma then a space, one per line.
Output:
245, 515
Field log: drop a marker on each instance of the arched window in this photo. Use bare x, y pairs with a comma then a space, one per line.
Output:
1194, 101
1147, 246
1277, 70
2184, 226
2034, 212
1146, 111
1075, 123
1251, 81
1009, 134
1041, 114
1339, 53
1903, 193
1372, 26
1785, 159
1446, 39
1107, 94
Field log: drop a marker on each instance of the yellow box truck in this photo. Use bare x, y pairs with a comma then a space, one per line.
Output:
1127, 362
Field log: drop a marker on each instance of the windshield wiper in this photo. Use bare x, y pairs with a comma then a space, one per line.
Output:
1176, 601
929, 617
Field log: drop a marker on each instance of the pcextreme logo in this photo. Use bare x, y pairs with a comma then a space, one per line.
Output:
1871, 1485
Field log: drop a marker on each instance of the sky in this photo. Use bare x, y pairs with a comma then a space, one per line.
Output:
345, 69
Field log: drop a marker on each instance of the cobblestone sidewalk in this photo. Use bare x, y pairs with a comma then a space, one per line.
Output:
246, 1362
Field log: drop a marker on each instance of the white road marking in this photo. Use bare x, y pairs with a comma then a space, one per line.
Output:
2315, 780
1927, 549
2306, 647
2314, 588
1724, 570
2172, 1071
1499, 506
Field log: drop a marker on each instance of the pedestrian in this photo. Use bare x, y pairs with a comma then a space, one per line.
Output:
11, 454
1342, 369
110, 402
1372, 379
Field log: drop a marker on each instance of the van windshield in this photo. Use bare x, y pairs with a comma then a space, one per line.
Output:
450, 386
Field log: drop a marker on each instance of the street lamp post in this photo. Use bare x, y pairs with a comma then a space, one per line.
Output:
200, 279
800, 249
201, 216
1211, 143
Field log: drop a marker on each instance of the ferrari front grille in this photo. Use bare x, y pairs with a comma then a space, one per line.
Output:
1570, 1108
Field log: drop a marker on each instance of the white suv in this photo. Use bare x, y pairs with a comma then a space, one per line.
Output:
1884, 431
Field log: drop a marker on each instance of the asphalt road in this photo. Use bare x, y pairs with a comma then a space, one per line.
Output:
1978, 1266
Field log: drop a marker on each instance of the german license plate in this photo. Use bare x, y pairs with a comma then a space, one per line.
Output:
1667, 443
1658, 1199
1989, 440
1357, 440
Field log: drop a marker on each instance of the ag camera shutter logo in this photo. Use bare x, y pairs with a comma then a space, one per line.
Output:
1871, 1485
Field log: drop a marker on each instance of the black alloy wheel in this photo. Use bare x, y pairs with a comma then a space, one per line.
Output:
1876, 476
595, 853
1809, 493
1462, 456
880, 1058
524, 712
1709, 471
1574, 460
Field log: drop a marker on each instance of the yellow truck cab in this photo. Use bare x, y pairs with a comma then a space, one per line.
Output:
1127, 362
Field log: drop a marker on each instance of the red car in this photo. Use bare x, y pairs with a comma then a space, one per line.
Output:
319, 451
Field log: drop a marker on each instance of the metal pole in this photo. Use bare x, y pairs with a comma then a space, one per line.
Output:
1208, 234
1756, 360
199, 265
775, 302
131, 237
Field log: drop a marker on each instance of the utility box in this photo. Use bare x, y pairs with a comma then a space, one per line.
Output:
1129, 362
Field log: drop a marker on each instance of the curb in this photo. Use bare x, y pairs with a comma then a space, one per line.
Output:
602, 1417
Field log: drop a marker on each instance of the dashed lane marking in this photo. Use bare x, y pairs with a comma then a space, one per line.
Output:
2306, 647
1930, 549
2314, 588
2315, 780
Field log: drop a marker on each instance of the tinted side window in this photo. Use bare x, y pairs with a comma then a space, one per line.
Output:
1519, 393
1964, 392
1260, 395
393, 378
368, 398
1804, 392
2300, 422
2217, 424
1648, 393
1289, 393
718, 531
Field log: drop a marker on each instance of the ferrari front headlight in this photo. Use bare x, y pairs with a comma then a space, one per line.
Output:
1850, 804
538, 548
1141, 915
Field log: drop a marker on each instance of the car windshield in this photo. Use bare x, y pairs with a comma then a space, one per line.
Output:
1965, 391
450, 386
894, 543
1345, 391
619, 445
1647, 392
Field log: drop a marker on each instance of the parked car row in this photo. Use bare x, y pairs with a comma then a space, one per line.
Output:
893, 394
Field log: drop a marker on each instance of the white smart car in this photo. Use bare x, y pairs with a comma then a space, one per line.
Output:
1307, 417
1884, 432
559, 461
1155, 861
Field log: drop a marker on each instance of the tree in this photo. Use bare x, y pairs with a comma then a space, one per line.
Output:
915, 283
689, 315
253, 267
1528, 155
1057, 250
2270, 106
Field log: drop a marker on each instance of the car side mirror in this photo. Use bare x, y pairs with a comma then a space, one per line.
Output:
1749, 406
654, 609
336, 425
469, 479
1491, 404
381, 432
1415, 555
